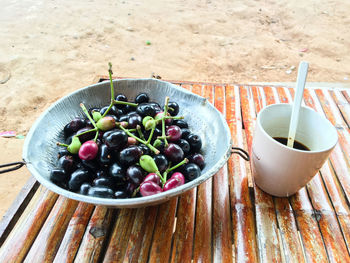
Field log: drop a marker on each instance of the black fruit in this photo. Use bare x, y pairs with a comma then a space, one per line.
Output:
174, 153
134, 175
115, 139
141, 98
84, 188
73, 126
195, 142
101, 191
129, 156
161, 162
117, 173
77, 178
58, 176
185, 146
191, 171
173, 108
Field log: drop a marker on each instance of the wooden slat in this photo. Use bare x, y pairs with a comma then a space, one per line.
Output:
11, 216
183, 236
331, 233
141, 235
339, 162
222, 236
95, 235
163, 232
308, 227
257, 99
49, 238
292, 248
342, 104
202, 251
338, 200
242, 207
28, 226
120, 235
346, 94
75, 231
266, 225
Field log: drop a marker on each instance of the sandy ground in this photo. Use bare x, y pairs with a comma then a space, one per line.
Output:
52, 48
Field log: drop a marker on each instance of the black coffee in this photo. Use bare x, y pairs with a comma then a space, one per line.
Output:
297, 145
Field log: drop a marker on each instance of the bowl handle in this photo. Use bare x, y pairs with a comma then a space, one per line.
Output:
241, 153
13, 166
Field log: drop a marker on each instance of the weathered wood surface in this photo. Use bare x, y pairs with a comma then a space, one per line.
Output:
225, 219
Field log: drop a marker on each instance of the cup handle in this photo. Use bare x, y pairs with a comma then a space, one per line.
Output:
241, 153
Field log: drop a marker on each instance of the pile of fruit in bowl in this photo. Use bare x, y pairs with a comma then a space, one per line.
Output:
127, 149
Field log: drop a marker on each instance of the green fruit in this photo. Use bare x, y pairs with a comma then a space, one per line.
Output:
146, 119
106, 123
151, 124
96, 116
74, 146
148, 164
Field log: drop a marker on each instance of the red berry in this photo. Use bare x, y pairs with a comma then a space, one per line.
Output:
88, 150
150, 188
152, 177
174, 132
174, 182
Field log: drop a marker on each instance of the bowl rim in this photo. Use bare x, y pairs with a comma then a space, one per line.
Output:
127, 202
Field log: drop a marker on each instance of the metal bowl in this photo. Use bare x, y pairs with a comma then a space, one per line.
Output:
40, 150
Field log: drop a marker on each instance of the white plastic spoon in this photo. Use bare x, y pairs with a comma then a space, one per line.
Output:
293, 125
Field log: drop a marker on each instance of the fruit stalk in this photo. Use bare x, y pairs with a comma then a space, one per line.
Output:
163, 120
155, 150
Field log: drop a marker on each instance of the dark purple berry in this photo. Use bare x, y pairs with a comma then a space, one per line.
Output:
77, 178
198, 159
141, 98
134, 120
115, 139
173, 108
185, 146
181, 123
84, 188
134, 175
67, 163
129, 156
191, 171
73, 126
195, 142
58, 176
161, 162
120, 194
101, 191
174, 153
117, 173
185, 132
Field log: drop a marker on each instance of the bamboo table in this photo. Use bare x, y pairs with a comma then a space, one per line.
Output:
225, 219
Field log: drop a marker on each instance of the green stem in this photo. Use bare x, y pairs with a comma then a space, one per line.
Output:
177, 165
94, 129
96, 136
62, 144
162, 179
125, 103
163, 120
138, 128
82, 106
155, 150
151, 135
110, 72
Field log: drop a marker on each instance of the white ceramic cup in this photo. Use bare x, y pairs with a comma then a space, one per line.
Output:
280, 170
